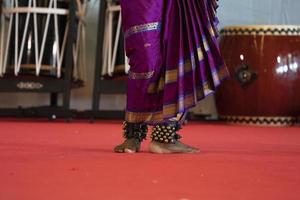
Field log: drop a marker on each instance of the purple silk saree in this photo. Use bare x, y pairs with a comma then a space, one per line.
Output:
174, 56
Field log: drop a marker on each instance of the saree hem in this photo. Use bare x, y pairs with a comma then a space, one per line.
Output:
171, 110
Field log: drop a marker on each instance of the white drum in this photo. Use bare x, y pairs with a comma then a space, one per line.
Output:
112, 38
33, 37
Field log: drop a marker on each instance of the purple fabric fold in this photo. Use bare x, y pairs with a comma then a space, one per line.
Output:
173, 50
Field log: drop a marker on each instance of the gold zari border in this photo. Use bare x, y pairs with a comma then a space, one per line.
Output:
155, 117
142, 28
140, 76
172, 110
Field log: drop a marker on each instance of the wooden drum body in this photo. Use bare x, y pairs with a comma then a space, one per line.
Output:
264, 63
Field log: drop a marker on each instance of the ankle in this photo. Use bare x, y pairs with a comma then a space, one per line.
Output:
136, 131
166, 133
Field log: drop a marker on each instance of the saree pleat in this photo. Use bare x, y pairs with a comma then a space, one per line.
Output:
181, 55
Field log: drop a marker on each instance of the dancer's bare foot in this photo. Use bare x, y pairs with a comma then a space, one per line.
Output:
128, 146
165, 139
177, 147
134, 134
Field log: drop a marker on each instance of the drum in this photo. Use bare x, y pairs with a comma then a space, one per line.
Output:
264, 63
113, 46
34, 36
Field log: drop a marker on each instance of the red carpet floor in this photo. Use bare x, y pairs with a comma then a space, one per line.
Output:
74, 161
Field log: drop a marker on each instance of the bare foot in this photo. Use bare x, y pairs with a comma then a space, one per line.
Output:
128, 146
177, 147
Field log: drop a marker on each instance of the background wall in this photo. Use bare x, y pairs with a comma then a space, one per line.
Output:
259, 12
231, 12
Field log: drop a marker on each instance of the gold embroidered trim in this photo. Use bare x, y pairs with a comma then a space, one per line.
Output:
140, 76
155, 88
172, 77
212, 31
167, 112
206, 46
200, 54
142, 28
135, 117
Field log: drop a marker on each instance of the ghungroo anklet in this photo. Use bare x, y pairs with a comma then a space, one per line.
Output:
166, 133
135, 130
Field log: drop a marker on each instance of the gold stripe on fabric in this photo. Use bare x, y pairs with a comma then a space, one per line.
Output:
170, 110
217, 77
142, 28
155, 88
206, 46
155, 117
200, 54
135, 117
212, 31
189, 101
171, 76
173, 109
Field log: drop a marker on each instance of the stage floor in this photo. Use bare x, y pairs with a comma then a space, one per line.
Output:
72, 161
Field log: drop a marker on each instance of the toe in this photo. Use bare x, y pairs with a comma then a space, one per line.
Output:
119, 149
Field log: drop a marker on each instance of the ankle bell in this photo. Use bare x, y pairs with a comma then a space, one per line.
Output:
165, 133
135, 130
